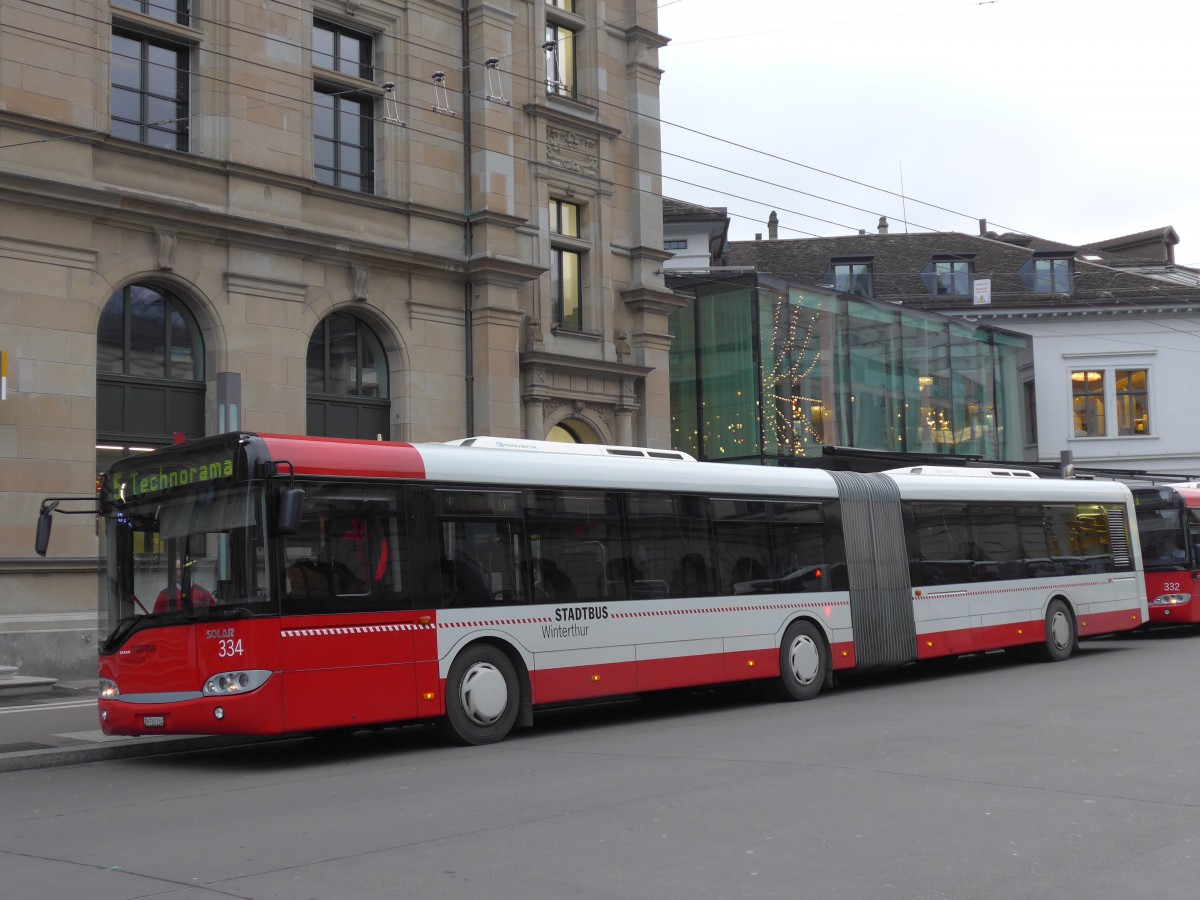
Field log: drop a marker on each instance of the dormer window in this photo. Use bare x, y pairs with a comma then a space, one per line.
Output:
1047, 274
947, 276
851, 276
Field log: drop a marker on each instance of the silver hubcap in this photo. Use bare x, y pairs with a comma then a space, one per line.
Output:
1060, 629
484, 694
805, 659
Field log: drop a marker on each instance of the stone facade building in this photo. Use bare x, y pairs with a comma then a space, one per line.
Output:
407, 219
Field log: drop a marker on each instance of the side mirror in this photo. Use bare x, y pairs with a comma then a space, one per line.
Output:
42, 541
291, 506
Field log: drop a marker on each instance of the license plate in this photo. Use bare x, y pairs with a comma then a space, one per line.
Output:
153, 721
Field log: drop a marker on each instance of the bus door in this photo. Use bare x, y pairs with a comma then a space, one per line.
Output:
881, 600
347, 636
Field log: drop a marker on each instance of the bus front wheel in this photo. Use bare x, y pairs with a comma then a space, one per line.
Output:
803, 663
482, 696
1060, 632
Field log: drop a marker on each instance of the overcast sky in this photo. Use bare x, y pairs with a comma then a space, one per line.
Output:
1075, 120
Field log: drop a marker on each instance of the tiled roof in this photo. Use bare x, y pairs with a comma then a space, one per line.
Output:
897, 261
675, 209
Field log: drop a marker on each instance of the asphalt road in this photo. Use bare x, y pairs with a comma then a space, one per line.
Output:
983, 778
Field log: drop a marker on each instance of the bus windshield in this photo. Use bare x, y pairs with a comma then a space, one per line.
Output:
197, 553
1163, 537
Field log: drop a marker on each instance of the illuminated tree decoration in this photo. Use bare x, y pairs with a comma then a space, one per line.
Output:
798, 421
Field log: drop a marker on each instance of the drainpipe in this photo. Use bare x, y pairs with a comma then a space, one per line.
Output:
468, 243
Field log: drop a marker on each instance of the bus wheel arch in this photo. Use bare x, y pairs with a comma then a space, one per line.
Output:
487, 694
1062, 631
804, 661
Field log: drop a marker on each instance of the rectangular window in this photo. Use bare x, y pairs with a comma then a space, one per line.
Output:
560, 60
1031, 423
575, 546
167, 10
673, 544
1052, 276
853, 278
350, 553
566, 267
1087, 402
564, 218
343, 139
341, 50
675, 245
567, 289
149, 90
951, 278
1133, 406
567, 5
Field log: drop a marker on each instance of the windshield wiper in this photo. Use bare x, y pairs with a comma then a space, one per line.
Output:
124, 628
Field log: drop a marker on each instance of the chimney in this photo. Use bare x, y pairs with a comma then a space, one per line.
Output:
983, 227
883, 226
773, 227
758, 235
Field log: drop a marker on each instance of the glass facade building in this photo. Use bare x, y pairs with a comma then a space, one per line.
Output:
767, 371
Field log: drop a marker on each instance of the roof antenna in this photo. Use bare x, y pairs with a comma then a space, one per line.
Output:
903, 203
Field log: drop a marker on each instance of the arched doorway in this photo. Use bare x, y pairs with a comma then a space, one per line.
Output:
347, 380
149, 372
573, 431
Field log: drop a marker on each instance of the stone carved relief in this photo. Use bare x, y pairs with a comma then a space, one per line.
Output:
572, 151
621, 345
361, 277
164, 250
533, 334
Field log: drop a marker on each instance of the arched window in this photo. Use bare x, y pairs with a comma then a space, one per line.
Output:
347, 380
149, 372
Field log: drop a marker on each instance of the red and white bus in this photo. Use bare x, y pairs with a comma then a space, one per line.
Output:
1168, 518
334, 584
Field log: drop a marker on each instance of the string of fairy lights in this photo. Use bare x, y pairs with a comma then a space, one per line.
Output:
952, 414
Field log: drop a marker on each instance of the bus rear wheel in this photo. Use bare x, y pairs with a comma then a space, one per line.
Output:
482, 696
1060, 632
803, 663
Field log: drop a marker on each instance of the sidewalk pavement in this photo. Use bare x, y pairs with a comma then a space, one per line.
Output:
46, 750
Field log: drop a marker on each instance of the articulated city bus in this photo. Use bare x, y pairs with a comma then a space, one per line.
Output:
266, 584
1168, 518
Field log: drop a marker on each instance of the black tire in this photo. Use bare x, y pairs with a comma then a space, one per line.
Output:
803, 663
483, 696
1060, 632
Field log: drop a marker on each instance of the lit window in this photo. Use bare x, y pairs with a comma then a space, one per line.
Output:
560, 59
568, 5
566, 266
1087, 401
1133, 407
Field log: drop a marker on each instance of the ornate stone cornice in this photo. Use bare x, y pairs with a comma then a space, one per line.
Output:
641, 299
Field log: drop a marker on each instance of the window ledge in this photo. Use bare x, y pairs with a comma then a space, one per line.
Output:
329, 77
148, 25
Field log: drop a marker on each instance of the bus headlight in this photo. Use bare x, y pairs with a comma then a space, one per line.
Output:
109, 689
1171, 600
224, 684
